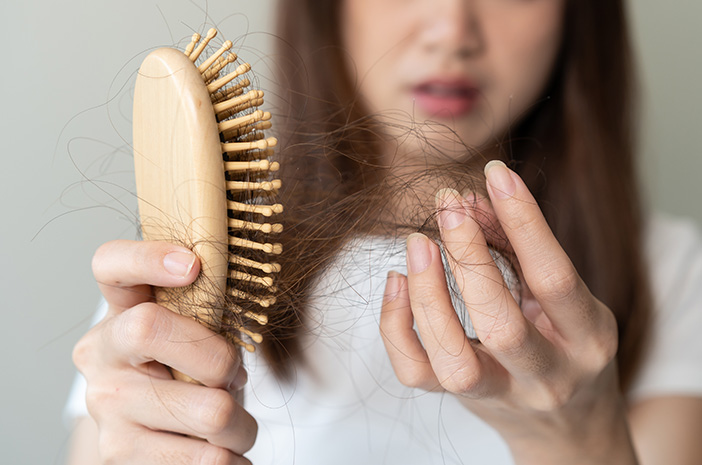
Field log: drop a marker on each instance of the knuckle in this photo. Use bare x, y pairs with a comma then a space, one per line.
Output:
463, 382
82, 352
529, 224
95, 399
224, 361
102, 402
142, 327
509, 338
219, 412
556, 284
602, 351
600, 348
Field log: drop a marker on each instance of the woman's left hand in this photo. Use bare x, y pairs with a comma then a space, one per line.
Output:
542, 374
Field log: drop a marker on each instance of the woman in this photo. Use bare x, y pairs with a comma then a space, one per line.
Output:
570, 367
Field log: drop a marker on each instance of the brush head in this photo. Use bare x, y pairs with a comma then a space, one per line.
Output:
203, 180
178, 165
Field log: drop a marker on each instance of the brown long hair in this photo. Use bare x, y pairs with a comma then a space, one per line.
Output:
574, 150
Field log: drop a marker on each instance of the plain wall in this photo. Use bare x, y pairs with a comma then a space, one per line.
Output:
66, 185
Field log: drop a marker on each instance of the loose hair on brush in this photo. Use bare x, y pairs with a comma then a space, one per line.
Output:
574, 149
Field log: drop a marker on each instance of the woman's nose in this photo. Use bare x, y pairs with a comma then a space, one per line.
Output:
452, 27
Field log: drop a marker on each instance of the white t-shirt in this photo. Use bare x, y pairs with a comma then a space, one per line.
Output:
346, 406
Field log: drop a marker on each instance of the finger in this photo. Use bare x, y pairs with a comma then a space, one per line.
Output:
192, 410
125, 270
547, 270
407, 355
142, 445
149, 332
452, 358
496, 316
481, 212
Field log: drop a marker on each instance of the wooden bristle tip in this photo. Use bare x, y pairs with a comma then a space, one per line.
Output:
252, 95
231, 147
257, 317
265, 210
191, 46
211, 34
264, 247
251, 226
258, 165
254, 186
264, 302
252, 279
223, 81
265, 267
215, 56
256, 337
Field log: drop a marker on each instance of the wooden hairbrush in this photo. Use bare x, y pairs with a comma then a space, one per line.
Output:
204, 180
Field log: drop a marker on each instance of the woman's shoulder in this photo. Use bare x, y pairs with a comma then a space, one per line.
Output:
673, 250
662, 228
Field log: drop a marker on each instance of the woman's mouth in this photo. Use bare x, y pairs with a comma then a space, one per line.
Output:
450, 98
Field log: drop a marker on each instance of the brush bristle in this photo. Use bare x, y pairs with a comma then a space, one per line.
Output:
250, 185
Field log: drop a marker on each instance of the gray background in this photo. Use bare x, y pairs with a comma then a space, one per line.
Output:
66, 182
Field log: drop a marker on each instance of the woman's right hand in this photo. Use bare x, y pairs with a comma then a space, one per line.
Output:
143, 414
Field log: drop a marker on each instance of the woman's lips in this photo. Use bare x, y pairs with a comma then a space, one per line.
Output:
452, 98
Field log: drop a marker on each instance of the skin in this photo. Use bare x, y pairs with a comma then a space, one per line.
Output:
544, 376
140, 414
505, 48
546, 381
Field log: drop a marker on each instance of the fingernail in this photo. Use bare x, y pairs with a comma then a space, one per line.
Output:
392, 286
418, 253
451, 212
239, 380
179, 263
500, 181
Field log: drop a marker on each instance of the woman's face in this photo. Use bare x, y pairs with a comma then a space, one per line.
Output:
475, 66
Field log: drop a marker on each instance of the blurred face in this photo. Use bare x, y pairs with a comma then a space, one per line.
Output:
475, 66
